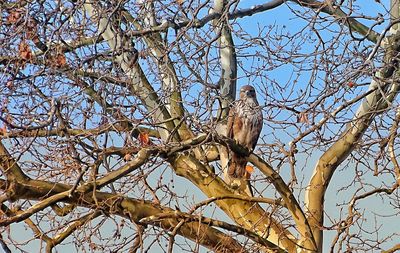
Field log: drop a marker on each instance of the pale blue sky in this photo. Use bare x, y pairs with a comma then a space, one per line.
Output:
283, 18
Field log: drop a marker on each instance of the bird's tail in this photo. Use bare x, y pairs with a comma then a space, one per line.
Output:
237, 166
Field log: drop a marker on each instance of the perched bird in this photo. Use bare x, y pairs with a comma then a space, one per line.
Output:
245, 122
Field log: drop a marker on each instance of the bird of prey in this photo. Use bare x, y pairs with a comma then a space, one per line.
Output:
245, 122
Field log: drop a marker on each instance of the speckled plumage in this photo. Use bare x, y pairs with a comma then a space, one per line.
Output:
244, 126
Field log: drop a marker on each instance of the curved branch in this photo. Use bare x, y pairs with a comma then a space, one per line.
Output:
132, 209
227, 53
307, 239
278, 202
391, 149
9, 167
139, 86
68, 230
212, 222
393, 249
373, 104
198, 23
160, 54
118, 126
334, 10
244, 213
39, 126
290, 201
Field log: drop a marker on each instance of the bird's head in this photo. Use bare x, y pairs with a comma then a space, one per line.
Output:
248, 93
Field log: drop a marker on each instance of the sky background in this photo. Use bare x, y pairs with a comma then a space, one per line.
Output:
281, 18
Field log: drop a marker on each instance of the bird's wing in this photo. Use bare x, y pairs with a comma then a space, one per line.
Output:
229, 126
256, 131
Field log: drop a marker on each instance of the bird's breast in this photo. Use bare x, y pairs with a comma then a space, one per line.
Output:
248, 120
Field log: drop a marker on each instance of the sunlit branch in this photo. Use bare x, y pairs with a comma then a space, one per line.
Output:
228, 61
161, 56
212, 222
290, 201
63, 211
70, 46
140, 86
118, 126
36, 230
4, 245
9, 166
391, 148
130, 166
141, 157
132, 209
35, 208
278, 202
331, 115
40, 124
99, 76
393, 249
198, 23
372, 192
287, 196
69, 229
329, 8
373, 104
247, 214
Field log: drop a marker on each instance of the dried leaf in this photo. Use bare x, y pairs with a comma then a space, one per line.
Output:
127, 157
31, 30
144, 139
303, 118
25, 51
60, 60
3, 130
142, 54
14, 17
10, 84
56, 59
350, 84
9, 119
4, 105
248, 171
92, 246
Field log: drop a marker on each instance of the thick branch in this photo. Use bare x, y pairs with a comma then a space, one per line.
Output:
290, 201
393, 249
227, 54
132, 209
373, 104
68, 230
119, 126
391, 148
9, 166
334, 10
139, 83
170, 82
249, 215
198, 23
212, 222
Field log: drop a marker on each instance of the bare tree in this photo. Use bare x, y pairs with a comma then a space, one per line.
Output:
114, 113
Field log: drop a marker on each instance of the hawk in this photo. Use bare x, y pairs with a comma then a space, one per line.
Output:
244, 126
